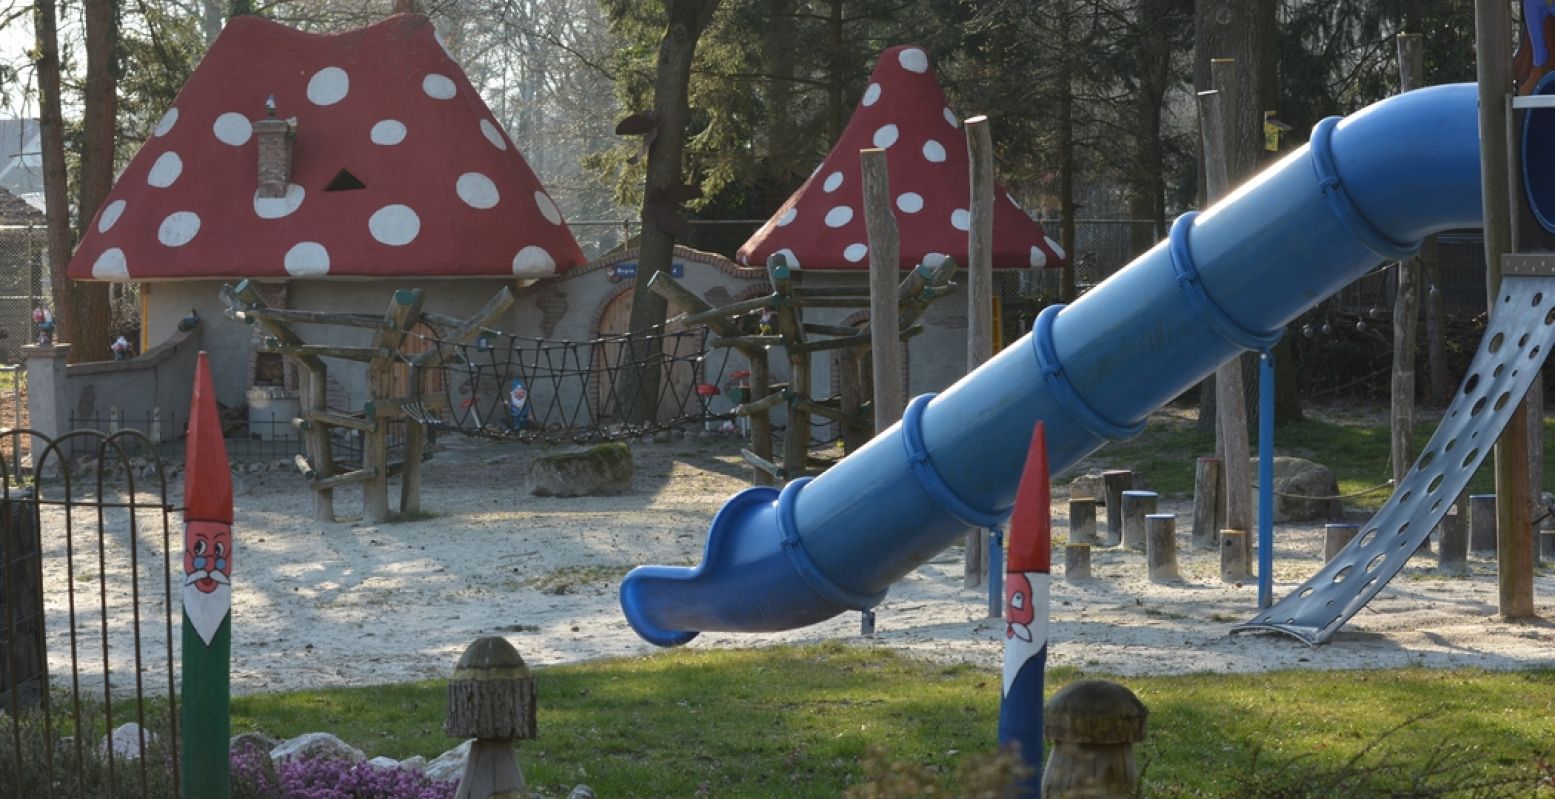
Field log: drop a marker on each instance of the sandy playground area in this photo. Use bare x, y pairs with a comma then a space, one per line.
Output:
352, 603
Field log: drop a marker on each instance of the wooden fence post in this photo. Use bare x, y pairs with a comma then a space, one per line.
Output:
1452, 554
1082, 520
1114, 483
1206, 501
1482, 524
979, 143
1336, 537
1077, 562
1136, 506
1161, 547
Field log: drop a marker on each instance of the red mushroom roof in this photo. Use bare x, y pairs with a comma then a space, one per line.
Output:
439, 190
903, 111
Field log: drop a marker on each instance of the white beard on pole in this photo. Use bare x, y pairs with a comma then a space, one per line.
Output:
206, 610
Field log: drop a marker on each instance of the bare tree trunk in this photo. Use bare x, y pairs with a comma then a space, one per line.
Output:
835, 114
1064, 118
52, 131
211, 19
671, 89
87, 323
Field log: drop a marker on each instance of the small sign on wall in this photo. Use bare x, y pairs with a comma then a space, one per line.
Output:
627, 270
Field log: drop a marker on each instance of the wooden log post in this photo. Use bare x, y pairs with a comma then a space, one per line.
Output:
1136, 506
1233, 556
1114, 483
491, 698
1161, 547
796, 442
1336, 537
884, 264
1206, 500
1482, 525
1077, 562
1406, 303
1082, 520
1452, 556
761, 423
979, 348
1093, 726
404, 310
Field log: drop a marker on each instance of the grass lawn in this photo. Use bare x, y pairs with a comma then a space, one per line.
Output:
798, 722
1358, 453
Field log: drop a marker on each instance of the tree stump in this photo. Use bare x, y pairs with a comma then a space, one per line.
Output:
1233, 556
1482, 524
1136, 506
1452, 556
1093, 726
1082, 520
1114, 483
1077, 562
1206, 498
491, 698
1336, 537
1161, 546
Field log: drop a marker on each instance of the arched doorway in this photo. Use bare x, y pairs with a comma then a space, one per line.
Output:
679, 369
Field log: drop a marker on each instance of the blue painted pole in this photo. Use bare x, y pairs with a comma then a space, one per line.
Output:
1265, 478
995, 573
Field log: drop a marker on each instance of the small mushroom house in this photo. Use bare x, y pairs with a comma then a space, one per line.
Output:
820, 229
331, 170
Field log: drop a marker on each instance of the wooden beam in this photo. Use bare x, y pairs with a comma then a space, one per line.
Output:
341, 351
297, 316
466, 331
763, 465
665, 286
248, 293
726, 311
747, 341
762, 405
830, 330
796, 441
331, 483
313, 417
979, 316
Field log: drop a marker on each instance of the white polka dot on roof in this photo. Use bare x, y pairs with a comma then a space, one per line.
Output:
533, 261
233, 128
110, 214
950, 117
839, 216
934, 152
855, 252
914, 60
789, 256
328, 86
165, 170
178, 229
111, 265
438, 87
395, 225
493, 135
387, 132
1054, 246
961, 219
277, 207
788, 216
548, 208
833, 182
909, 202
477, 190
167, 122
306, 259
871, 95
1038, 257
885, 136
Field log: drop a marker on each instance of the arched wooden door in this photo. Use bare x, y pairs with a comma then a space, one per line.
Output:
611, 355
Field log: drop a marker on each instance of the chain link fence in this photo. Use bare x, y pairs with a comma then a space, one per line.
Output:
23, 286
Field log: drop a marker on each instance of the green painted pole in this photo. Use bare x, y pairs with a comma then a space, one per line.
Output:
204, 770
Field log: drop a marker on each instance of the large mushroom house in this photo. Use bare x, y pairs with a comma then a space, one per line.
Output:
820, 229
331, 171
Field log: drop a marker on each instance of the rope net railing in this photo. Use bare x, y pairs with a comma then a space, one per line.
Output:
509, 386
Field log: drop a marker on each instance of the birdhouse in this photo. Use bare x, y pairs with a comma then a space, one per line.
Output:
492, 693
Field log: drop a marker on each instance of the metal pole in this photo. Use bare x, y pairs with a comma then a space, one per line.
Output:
1265, 478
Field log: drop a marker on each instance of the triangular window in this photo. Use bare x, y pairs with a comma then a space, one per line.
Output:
345, 181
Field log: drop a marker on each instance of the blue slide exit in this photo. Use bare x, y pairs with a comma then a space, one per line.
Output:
1367, 188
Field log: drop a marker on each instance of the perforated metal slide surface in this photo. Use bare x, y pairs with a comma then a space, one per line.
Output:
1519, 338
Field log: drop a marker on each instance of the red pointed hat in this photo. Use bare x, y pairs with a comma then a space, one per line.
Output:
207, 475
1031, 524
903, 111
398, 170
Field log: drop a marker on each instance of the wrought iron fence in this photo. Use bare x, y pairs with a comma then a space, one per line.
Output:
87, 569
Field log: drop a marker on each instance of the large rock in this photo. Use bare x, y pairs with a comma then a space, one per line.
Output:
450, 764
600, 470
1303, 491
125, 742
316, 746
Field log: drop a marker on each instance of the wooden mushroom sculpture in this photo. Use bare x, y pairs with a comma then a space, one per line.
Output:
1093, 725
491, 698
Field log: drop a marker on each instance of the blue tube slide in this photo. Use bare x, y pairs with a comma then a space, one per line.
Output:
1367, 188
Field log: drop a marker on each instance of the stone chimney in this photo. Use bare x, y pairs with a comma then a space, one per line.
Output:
275, 152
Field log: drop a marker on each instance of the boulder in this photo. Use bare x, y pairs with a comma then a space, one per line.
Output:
1088, 485
450, 764
316, 746
600, 470
1303, 491
252, 740
125, 742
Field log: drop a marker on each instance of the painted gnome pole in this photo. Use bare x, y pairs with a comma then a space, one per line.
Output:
207, 598
1026, 587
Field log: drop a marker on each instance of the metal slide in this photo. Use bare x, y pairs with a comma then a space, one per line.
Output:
1367, 188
